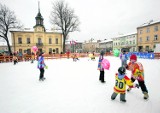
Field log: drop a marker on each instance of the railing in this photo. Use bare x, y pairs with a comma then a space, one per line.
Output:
27, 57
39, 44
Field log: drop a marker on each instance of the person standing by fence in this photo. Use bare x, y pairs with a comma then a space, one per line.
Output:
123, 58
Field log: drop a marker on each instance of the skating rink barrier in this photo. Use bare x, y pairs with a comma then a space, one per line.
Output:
27, 57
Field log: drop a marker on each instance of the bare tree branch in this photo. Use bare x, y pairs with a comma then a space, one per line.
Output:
63, 17
8, 22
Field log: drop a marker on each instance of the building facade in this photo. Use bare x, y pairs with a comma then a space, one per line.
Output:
74, 46
148, 36
106, 45
46, 41
126, 42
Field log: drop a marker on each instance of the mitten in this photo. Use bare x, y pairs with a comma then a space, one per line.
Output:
136, 85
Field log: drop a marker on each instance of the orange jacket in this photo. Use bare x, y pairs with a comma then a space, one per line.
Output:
136, 70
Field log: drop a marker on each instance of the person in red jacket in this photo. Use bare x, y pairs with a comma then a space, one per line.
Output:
68, 54
137, 73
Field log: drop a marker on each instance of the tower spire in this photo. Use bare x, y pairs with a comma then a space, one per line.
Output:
38, 6
39, 18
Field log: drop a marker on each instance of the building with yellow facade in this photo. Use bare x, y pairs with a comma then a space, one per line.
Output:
148, 35
46, 41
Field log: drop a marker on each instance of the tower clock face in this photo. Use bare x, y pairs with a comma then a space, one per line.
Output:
39, 29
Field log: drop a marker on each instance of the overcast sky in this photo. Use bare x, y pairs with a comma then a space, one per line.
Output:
100, 19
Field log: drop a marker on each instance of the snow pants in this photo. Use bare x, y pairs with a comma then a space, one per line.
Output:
122, 96
101, 77
41, 73
141, 84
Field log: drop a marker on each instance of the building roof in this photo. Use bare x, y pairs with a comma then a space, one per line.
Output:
151, 22
32, 30
129, 34
105, 41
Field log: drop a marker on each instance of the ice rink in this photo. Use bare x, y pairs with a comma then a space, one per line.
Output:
73, 87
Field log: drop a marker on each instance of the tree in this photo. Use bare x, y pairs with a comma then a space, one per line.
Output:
8, 22
63, 17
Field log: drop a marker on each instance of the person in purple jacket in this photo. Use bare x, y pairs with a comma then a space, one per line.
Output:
100, 68
41, 65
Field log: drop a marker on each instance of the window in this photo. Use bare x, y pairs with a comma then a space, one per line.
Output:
28, 40
156, 28
50, 50
50, 41
130, 42
20, 50
122, 43
39, 40
147, 38
147, 48
140, 39
133, 41
19, 40
56, 40
140, 31
134, 49
155, 37
148, 30
57, 50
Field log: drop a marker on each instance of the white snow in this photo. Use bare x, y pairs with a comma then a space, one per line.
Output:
73, 87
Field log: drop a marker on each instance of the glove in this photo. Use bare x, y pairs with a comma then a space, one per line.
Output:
137, 86
137, 72
126, 66
46, 67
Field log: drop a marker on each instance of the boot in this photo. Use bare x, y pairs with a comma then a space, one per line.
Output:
122, 97
123, 100
146, 96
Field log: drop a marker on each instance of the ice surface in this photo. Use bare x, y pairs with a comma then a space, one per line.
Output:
73, 87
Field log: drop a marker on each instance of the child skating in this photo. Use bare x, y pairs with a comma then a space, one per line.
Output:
137, 73
15, 59
41, 66
124, 58
121, 80
100, 68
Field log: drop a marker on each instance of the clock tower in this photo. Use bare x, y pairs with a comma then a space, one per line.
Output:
39, 27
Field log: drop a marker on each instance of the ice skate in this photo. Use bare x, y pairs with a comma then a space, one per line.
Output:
123, 100
146, 96
43, 79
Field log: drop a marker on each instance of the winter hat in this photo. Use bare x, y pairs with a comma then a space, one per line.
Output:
102, 53
133, 57
41, 54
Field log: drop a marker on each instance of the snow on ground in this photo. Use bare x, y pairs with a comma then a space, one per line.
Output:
73, 87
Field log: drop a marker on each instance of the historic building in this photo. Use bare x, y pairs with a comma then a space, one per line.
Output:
46, 41
148, 36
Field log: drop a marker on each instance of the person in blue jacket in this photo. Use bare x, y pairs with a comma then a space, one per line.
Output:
124, 59
41, 65
100, 68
